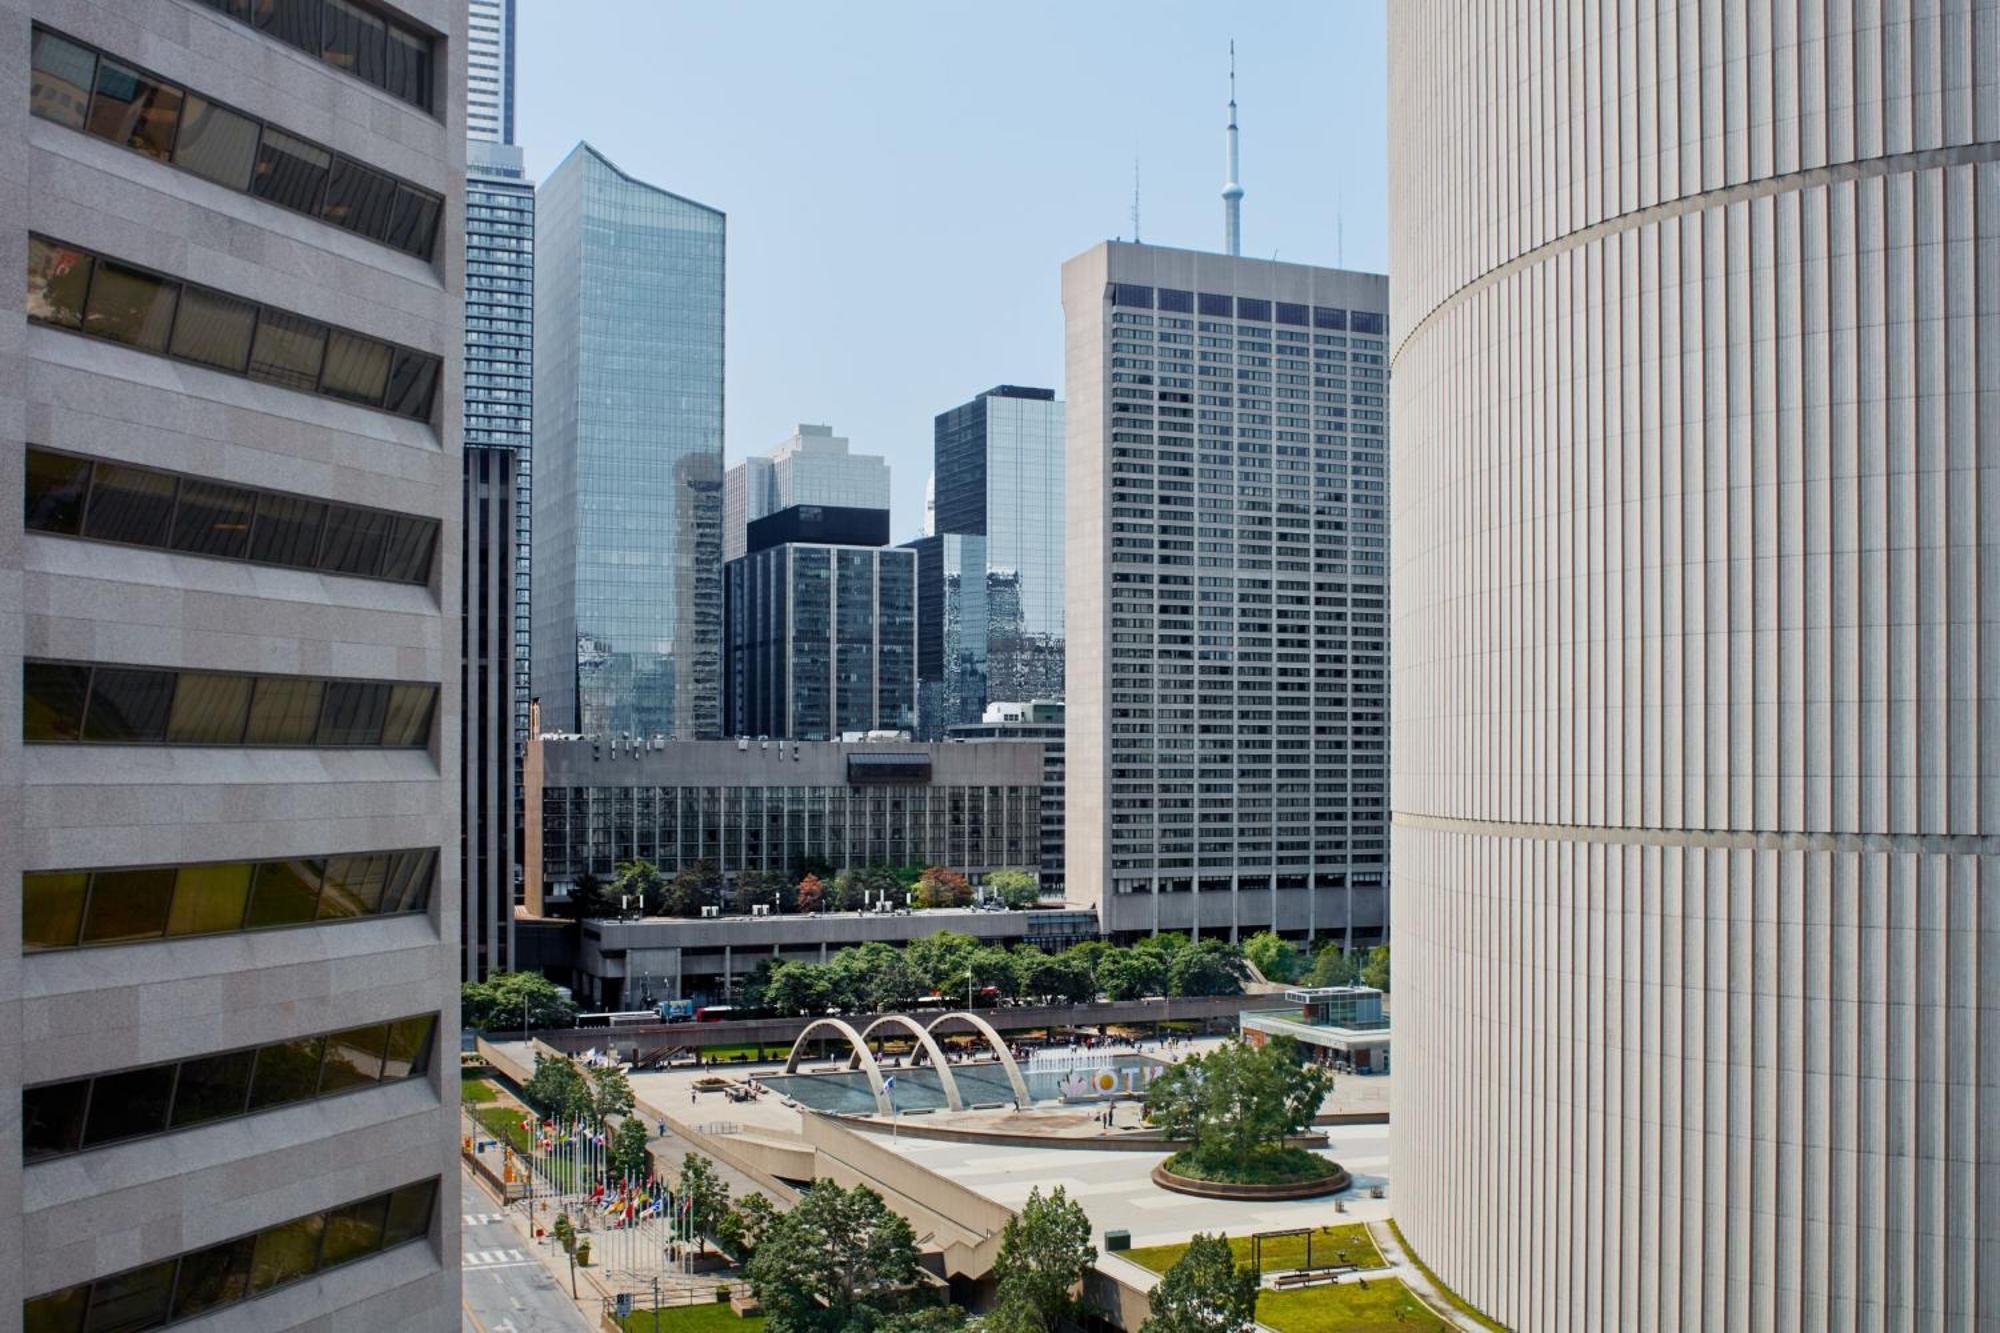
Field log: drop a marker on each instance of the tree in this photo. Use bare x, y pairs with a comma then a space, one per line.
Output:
1273, 956
1056, 978
1238, 1101
641, 885
839, 1262
587, 898
558, 1089
1132, 974
744, 1226
1016, 888
800, 988
761, 888
994, 969
1204, 1292
845, 893
610, 1094
941, 886
628, 1156
1045, 1250
1334, 966
498, 1001
1209, 967
812, 894
940, 959
1376, 973
709, 1195
698, 886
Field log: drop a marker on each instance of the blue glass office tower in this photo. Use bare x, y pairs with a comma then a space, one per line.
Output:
628, 500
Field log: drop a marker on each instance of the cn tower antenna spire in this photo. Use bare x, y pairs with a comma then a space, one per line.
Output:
1232, 190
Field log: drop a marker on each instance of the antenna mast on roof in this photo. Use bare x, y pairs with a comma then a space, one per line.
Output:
1232, 191
1135, 199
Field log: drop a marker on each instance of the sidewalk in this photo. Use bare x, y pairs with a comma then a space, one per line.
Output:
1414, 1278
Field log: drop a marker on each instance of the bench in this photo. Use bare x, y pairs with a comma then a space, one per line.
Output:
1305, 1277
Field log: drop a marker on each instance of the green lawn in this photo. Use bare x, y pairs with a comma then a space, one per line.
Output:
714, 1317
477, 1090
1285, 1252
504, 1124
1385, 1305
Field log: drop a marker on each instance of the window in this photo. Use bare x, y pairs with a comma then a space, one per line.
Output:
287, 893
1182, 302
286, 1072
290, 171
238, 1269
216, 143
287, 530
357, 368
1131, 294
352, 40
348, 37
58, 281
127, 905
130, 306
209, 899
1289, 313
52, 698
361, 199
1212, 303
208, 709
214, 329
128, 704
353, 1058
64, 72
134, 111
1362, 321
129, 505
294, 22
1250, 308
284, 711
412, 381
128, 1104
213, 519
408, 72
56, 486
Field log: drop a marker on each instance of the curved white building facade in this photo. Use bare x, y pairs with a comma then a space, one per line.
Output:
1696, 554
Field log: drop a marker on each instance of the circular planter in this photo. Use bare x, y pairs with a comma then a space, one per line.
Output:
1217, 1189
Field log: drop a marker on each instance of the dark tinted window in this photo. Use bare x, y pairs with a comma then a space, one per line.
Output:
1329, 317
409, 1213
58, 279
1250, 308
1181, 302
296, 22
210, 899
217, 143
284, 711
216, 1276
55, 490
353, 886
1289, 313
290, 171
58, 1311
354, 1230
353, 1058
52, 1118
357, 368
287, 1252
52, 695
288, 350
212, 1087
353, 40
134, 110
354, 540
408, 721
287, 1071
128, 1104
1213, 304
208, 709
52, 909
353, 712
409, 882
129, 905
128, 704
1363, 321
411, 382
413, 225
409, 1048
287, 531
131, 307
132, 1300
285, 893
214, 329
360, 199
1127, 293
129, 504
214, 519
63, 74
409, 67
407, 552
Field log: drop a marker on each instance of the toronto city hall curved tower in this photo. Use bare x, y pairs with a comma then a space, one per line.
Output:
1696, 560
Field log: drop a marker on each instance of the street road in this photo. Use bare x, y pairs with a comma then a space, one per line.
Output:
507, 1288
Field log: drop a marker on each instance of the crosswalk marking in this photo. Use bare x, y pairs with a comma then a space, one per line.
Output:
493, 1258
482, 1219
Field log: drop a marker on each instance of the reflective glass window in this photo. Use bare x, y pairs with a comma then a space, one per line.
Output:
353, 886
412, 379
1213, 303
1290, 313
134, 110
129, 504
288, 350
219, 1275
352, 39
127, 1104
290, 171
52, 695
52, 1118
406, 552
212, 1087
408, 75
284, 893
210, 899
58, 1311
208, 709
354, 540
1364, 321
287, 1071
413, 224
52, 908
409, 1213
409, 1048
131, 1300
408, 721
1250, 308
1172, 300
286, 1252
130, 306
214, 329
353, 712
357, 368
129, 905
295, 22
214, 519
354, 1231
217, 143
58, 281
409, 887
353, 1058
360, 199
284, 710
287, 530
56, 486
1329, 317
128, 705
63, 75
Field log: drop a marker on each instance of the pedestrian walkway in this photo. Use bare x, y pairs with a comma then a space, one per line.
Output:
1416, 1280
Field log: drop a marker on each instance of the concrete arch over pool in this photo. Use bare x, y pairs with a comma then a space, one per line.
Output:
985, 1029
862, 1056
931, 1049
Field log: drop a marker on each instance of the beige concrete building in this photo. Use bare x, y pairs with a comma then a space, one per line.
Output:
1697, 725
229, 424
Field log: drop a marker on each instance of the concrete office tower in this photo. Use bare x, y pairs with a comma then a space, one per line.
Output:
1697, 729
1228, 589
499, 416
991, 567
628, 504
229, 364
1040, 721
821, 637
811, 468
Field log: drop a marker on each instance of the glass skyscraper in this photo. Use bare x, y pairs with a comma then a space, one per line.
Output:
628, 501
991, 571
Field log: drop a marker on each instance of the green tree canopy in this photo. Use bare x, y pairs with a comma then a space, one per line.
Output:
761, 888
1273, 956
1334, 966
745, 1225
610, 1093
699, 1182
641, 885
1204, 1292
800, 988
1207, 967
496, 1003
1045, 1250
628, 1150
994, 967
1063, 978
1376, 973
558, 1089
1237, 1100
940, 959
838, 1262
696, 887
1132, 974
1016, 888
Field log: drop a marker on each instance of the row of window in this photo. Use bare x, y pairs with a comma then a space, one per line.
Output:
74, 496
68, 909
1246, 307
71, 702
200, 1281
58, 1119
86, 293
372, 47
88, 90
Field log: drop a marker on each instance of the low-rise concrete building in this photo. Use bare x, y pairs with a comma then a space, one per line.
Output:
1038, 720
1337, 1025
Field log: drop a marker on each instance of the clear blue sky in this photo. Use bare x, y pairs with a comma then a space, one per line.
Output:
904, 180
